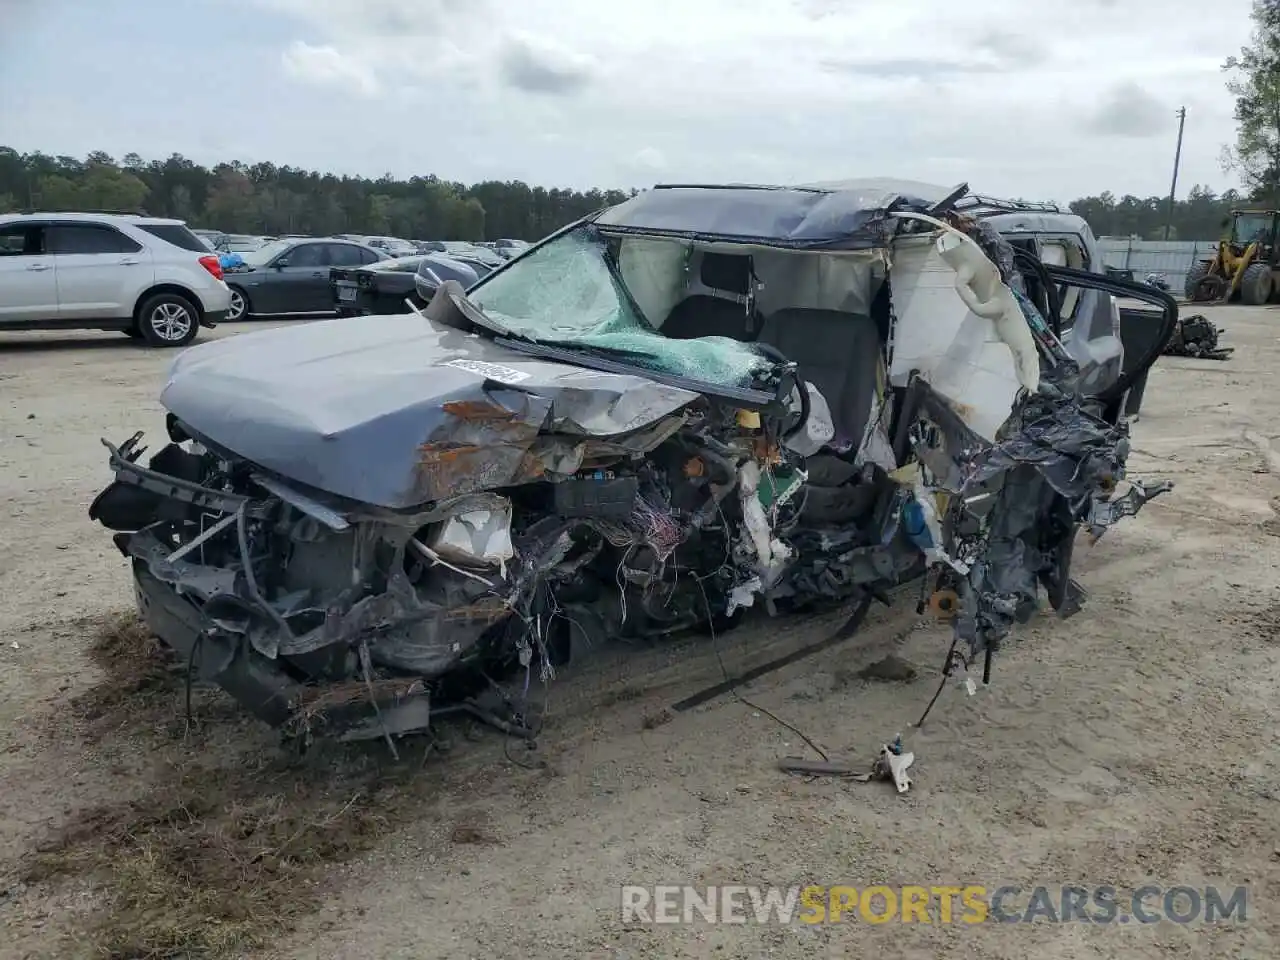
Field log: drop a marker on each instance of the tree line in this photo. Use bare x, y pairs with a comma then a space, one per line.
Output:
1199, 216
262, 198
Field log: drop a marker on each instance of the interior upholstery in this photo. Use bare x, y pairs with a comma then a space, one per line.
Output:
707, 316
836, 352
718, 307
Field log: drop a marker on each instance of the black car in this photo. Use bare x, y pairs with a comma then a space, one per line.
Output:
290, 277
480, 259
383, 287
380, 287
436, 268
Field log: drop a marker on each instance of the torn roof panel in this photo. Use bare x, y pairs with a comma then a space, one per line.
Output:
883, 187
774, 216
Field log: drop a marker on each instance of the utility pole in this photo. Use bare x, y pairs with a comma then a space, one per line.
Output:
1177, 158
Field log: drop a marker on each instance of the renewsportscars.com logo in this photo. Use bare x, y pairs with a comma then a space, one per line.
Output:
971, 904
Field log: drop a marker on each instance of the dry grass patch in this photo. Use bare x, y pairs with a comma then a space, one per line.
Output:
231, 836
213, 860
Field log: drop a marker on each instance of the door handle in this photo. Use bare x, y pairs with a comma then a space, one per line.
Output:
318, 273
128, 262
38, 266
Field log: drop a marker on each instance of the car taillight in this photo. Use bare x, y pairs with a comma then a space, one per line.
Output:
213, 265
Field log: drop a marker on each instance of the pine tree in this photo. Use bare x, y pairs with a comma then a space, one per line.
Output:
1254, 80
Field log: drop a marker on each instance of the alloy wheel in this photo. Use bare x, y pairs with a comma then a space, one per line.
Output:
171, 321
235, 310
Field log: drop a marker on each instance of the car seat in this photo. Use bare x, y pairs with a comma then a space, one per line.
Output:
839, 354
720, 305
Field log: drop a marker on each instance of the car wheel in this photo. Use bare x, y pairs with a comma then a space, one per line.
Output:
1255, 285
238, 309
1191, 286
168, 320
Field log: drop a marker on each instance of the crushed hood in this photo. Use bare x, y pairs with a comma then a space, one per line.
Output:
397, 411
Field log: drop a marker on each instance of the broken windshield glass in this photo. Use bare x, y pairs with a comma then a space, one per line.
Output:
568, 292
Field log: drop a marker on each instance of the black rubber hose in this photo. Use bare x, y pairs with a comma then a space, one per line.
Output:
1050, 289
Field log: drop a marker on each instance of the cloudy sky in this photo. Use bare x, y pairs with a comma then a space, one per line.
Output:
1023, 98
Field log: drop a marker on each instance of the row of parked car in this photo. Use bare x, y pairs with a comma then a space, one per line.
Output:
156, 280
392, 246
347, 274
306, 276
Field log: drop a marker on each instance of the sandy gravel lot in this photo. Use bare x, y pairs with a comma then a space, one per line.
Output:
1133, 744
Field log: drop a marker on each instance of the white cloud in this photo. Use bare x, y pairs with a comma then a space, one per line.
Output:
326, 67
1014, 97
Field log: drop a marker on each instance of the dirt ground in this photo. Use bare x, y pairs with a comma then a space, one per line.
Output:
1135, 743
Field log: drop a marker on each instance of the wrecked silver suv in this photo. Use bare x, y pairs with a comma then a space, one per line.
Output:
701, 400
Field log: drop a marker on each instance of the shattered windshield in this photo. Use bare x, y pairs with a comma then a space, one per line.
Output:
570, 292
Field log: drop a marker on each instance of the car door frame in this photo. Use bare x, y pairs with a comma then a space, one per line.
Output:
290, 286
315, 283
43, 266
121, 273
1133, 369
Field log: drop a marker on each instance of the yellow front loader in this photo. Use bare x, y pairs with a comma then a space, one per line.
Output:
1244, 266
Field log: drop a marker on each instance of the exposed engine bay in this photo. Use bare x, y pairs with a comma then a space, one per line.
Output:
448, 504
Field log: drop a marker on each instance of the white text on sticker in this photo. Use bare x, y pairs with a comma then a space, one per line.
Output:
493, 371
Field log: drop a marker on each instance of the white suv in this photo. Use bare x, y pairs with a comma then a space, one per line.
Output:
148, 277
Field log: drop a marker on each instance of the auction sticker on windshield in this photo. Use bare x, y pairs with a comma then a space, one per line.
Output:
493, 371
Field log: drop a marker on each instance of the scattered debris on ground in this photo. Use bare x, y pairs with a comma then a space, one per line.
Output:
891, 764
1196, 336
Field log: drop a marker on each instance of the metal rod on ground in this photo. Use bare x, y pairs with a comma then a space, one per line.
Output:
1177, 158
730, 683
